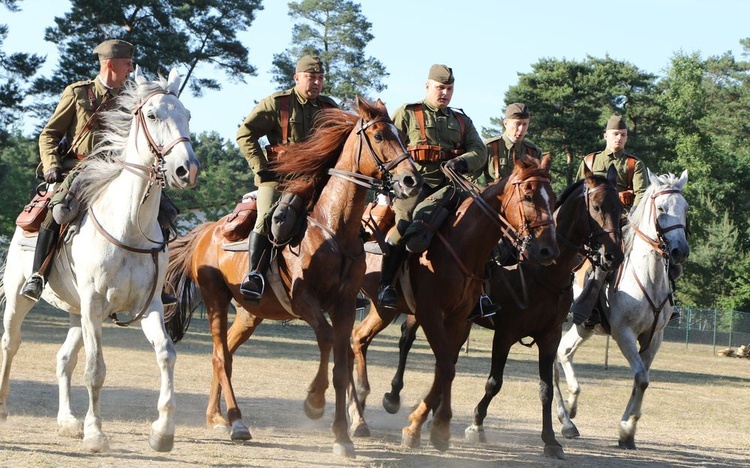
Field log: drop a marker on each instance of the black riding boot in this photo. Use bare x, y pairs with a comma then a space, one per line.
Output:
45, 246
260, 257
586, 301
387, 294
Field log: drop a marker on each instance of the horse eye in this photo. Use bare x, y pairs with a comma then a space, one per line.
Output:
528, 197
151, 115
378, 136
597, 208
660, 209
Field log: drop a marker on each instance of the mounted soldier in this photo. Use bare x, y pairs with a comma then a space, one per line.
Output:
435, 135
284, 118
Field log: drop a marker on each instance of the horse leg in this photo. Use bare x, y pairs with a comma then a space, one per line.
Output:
569, 429
67, 359
95, 371
16, 308
342, 320
392, 399
547, 346
316, 392
569, 343
500, 348
162, 430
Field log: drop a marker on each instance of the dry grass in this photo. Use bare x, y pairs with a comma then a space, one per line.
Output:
694, 414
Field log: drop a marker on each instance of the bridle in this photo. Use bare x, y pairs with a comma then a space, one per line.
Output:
383, 184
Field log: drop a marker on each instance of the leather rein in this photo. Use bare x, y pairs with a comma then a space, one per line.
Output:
154, 174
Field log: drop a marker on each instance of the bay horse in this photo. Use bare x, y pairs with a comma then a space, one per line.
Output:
442, 285
639, 303
322, 275
110, 263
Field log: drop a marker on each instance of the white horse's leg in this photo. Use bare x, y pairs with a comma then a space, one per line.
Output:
569, 343
639, 366
94, 439
162, 430
67, 358
16, 308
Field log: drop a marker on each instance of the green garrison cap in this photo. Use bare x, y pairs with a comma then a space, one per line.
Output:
616, 122
441, 74
309, 64
114, 48
517, 110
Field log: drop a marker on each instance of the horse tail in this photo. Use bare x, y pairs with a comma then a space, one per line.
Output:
177, 317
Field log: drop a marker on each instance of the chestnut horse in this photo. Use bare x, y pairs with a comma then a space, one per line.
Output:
322, 275
442, 285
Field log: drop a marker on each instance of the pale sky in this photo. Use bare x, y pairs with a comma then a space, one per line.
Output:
486, 42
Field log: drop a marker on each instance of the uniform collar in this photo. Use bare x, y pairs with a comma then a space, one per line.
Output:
303, 100
446, 112
612, 154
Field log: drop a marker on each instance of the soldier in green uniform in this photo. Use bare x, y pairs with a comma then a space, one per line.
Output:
631, 184
284, 118
75, 120
435, 134
503, 150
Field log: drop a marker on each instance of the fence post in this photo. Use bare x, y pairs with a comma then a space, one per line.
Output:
731, 326
606, 354
715, 327
687, 328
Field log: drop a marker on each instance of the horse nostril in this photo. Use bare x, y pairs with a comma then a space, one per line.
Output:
181, 172
410, 181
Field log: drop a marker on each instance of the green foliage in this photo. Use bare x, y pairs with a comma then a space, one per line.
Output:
18, 159
166, 34
224, 178
16, 71
337, 32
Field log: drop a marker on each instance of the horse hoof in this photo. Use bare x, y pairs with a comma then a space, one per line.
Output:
475, 434
362, 430
440, 441
410, 441
161, 442
553, 451
240, 431
570, 432
3, 416
95, 444
626, 444
313, 413
344, 449
391, 404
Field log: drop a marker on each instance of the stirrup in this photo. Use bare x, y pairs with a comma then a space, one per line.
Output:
251, 281
487, 308
33, 287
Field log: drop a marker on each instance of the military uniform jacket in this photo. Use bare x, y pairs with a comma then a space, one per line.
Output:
441, 128
502, 153
70, 116
265, 120
604, 159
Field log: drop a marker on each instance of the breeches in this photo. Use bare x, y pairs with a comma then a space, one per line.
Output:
268, 194
404, 211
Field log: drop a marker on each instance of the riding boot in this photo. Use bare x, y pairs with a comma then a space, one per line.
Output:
45, 247
254, 284
586, 301
387, 294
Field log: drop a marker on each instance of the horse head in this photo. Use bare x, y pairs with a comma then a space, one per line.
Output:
603, 244
161, 130
662, 216
528, 201
388, 159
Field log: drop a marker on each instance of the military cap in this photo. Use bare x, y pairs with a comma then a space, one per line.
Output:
309, 64
114, 48
441, 74
616, 122
517, 110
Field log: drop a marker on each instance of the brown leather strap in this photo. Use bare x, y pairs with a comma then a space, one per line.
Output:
284, 105
419, 114
631, 171
589, 160
91, 121
496, 157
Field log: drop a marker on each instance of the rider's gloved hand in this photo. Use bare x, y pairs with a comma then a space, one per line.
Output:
53, 175
458, 165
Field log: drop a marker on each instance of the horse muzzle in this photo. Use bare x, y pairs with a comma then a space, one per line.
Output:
407, 185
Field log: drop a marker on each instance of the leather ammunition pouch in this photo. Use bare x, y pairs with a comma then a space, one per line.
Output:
432, 153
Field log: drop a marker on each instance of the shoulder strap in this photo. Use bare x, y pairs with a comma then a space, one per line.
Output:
94, 117
284, 103
419, 114
631, 171
589, 160
462, 126
496, 158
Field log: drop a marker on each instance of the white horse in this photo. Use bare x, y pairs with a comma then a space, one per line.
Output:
114, 259
640, 303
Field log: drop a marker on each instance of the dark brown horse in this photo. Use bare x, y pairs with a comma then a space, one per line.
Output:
442, 285
322, 275
587, 219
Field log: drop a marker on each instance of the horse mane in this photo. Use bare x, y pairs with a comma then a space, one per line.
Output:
305, 165
102, 165
572, 188
635, 216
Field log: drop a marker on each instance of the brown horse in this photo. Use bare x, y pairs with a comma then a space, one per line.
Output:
587, 219
442, 285
322, 275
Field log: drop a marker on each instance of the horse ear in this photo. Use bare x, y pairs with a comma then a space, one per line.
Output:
652, 178
173, 82
140, 78
546, 161
381, 105
612, 174
683, 180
